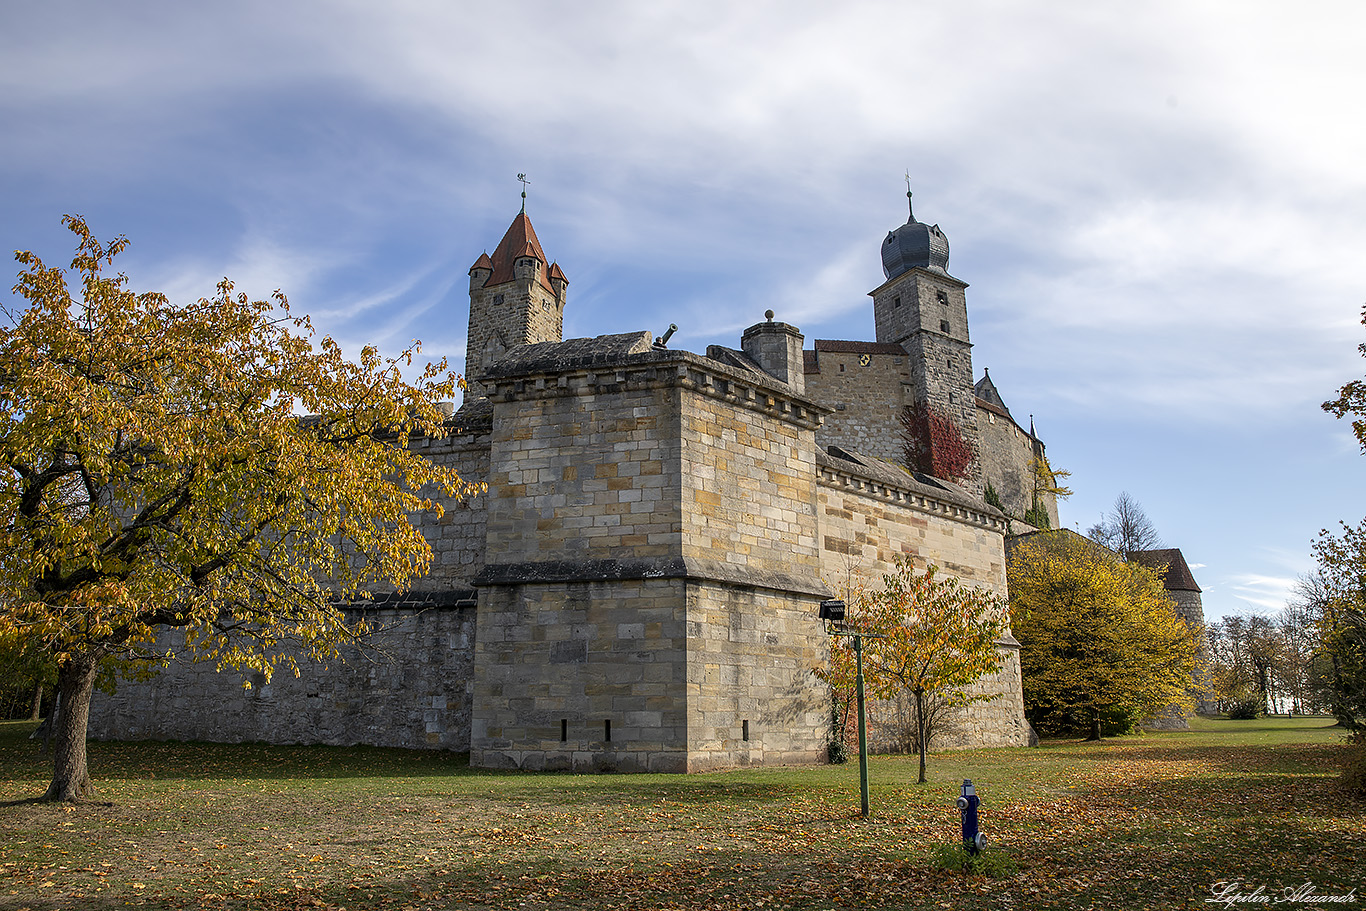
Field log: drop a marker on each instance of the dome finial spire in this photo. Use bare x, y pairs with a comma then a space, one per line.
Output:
909, 208
525, 182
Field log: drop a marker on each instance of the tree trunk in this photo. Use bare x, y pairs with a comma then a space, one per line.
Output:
37, 713
76, 684
920, 730
1095, 725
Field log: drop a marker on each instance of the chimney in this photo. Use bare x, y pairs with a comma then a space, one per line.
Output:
777, 347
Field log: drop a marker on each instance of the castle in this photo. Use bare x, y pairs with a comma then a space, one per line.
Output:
638, 588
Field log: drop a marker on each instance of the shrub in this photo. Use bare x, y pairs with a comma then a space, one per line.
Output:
1244, 709
996, 864
836, 752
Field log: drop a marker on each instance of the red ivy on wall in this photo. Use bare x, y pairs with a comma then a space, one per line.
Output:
934, 444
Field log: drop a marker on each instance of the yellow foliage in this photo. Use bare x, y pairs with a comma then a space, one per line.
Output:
925, 634
1096, 633
158, 472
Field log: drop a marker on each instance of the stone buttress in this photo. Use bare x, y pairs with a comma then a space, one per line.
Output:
650, 587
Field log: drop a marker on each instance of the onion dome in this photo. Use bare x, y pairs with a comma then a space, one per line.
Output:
915, 245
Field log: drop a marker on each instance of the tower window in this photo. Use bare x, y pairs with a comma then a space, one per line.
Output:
607, 730
944, 326
896, 302
841, 368
744, 730
943, 297
564, 729
948, 362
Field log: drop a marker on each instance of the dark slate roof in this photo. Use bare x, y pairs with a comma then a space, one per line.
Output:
894, 475
604, 350
1178, 576
988, 394
915, 245
845, 347
732, 358
473, 416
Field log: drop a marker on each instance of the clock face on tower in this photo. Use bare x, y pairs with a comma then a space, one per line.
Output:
865, 359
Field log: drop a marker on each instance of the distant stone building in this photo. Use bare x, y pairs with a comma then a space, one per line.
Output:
638, 588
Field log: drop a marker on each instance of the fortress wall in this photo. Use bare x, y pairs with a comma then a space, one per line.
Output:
457, 538
583, 475
868, 401
752, 695
748, 474
1006, 454
862, 532
556, 663
634, 507
411, 689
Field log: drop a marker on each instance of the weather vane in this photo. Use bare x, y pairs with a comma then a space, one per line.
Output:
525, 183
908, 194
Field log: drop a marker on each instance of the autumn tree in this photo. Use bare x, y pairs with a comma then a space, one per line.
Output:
1126, 529
1341, 618
1048, 485
1097, 635
157, 475
927, 635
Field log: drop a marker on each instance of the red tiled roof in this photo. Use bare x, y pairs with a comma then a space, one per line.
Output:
556, 272
483, 262
520, 241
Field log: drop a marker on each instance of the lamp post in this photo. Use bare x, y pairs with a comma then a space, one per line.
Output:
833, 613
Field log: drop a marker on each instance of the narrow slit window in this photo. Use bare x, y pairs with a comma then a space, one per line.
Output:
564, 729
607, 730
744, 730
944, 326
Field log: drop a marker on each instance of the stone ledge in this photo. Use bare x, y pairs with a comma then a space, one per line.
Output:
686, 568
447, 599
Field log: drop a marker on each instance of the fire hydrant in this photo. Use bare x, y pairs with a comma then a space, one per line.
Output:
967, 807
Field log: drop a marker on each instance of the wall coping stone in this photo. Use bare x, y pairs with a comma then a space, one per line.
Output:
687, 568
840, 469
615, 363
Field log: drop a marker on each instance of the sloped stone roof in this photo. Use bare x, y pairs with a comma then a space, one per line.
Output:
603, 350
894, 475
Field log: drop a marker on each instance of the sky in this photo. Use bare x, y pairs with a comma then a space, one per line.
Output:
1160, 208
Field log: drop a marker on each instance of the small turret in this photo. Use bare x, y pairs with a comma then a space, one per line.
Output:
480, 271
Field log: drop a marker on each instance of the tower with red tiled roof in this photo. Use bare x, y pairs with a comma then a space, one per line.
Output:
517, 298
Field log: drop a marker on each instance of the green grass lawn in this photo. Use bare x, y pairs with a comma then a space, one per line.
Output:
1135, 822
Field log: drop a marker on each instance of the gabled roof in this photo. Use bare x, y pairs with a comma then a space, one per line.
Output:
1178, 577
987, 392
520, 241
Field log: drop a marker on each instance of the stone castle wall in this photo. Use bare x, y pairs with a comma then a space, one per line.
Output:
410, 688
638, 501
1007, 455
869, 517
867, 400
